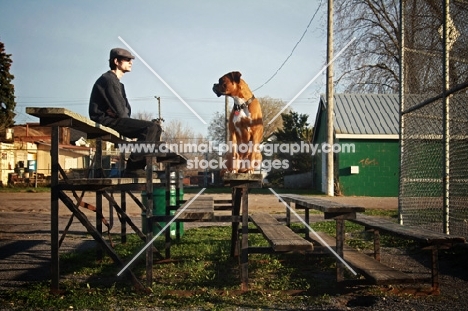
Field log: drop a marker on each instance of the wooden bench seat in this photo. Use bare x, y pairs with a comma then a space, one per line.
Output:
280, 237
63, 117
222, 205
429, 239
325, 206
375, 272
200, 209
421, 235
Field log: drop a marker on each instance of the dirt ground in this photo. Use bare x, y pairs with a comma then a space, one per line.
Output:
27, 213
25, 249
39, 203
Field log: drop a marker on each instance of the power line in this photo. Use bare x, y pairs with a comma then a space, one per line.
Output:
294, 48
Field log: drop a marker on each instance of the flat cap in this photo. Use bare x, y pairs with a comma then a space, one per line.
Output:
120, 53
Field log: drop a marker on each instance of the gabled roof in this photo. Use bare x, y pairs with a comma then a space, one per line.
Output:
364, 114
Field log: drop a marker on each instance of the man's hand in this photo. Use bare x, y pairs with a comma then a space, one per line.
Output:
111, 113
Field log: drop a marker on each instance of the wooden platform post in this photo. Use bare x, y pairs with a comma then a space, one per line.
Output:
149, 221
54, 210
241, 183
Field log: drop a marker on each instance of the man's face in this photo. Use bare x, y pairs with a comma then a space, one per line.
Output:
124, 64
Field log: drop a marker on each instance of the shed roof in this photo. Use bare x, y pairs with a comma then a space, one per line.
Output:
372, 114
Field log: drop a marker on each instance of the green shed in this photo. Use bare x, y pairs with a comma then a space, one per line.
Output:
366, 145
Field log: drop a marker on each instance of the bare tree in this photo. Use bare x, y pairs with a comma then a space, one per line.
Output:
217, 128
270, 108
185, 140
143, 115
371, 63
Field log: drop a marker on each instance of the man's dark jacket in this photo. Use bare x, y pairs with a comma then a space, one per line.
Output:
108, 100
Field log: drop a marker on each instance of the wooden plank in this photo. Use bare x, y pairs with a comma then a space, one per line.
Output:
200, 209
242, 177
107, 181
64, 117
374, 271
280, 237
223, 205
321, 205
410, 232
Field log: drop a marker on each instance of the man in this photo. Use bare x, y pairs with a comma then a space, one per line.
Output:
109, 106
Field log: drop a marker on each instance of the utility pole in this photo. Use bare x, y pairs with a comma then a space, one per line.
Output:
159, 107
160, 121
330, 105
226, 118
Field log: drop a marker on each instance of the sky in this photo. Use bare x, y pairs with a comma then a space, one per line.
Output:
60, 48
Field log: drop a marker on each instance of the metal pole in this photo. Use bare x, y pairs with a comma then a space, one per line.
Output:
402, 104
446, 135
159, 106
226, 118
330, 105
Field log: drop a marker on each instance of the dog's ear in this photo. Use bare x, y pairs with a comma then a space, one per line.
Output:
235, 76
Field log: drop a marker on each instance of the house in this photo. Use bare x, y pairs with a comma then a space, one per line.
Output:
28, 149
366, 144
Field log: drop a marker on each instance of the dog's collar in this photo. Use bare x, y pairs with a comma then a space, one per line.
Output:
238, 107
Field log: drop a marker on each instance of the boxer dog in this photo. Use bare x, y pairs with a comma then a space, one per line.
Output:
245, 124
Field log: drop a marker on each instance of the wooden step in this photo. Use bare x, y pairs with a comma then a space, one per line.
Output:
280, 237
408, 232
200, 209
374, 271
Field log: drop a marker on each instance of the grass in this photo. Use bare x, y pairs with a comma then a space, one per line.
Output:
10, 189
202, 275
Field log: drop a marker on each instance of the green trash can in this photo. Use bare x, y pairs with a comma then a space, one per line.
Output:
173, 198
159, 208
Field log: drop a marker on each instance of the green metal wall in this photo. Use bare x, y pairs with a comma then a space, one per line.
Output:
378, 162
320, 158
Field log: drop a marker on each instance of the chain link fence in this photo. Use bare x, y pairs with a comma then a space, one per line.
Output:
434, 115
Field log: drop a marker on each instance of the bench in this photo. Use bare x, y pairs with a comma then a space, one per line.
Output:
375, 273
331, 210
61, 117
199, 210
428, 239
65, 118
280, 237
373, 269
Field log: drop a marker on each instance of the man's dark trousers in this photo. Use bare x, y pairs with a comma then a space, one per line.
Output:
144, 131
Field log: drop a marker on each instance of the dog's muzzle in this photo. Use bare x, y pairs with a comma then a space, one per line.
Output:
217, 90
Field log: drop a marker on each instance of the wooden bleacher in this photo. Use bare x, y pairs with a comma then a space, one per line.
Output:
375, 273
371, 268
102, 186
421, 235
430, 240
